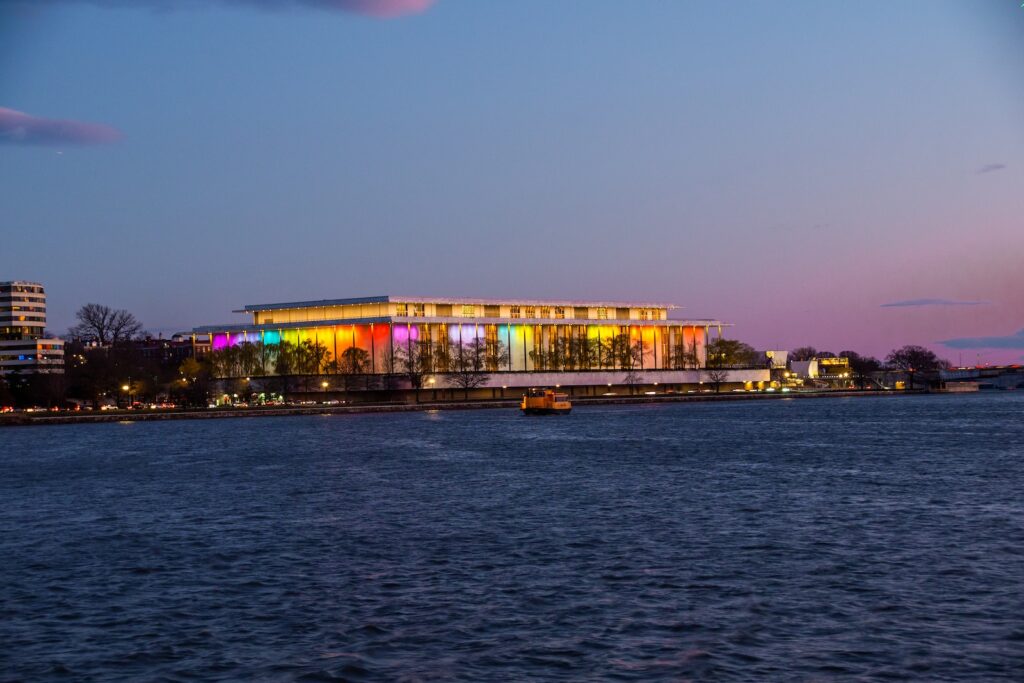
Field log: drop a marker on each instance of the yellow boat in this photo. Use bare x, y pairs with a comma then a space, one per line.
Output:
545, 402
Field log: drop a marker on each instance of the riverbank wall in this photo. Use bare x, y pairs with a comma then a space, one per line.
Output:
44, 418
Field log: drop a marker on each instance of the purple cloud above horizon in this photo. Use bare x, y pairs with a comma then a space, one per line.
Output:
1010, 341
19, 128
932, 302
375, 8
989, 168
381, 9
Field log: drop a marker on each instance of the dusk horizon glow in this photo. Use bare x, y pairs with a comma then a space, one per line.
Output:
811, 175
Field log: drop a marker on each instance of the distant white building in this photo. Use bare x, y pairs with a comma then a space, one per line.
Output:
805, 369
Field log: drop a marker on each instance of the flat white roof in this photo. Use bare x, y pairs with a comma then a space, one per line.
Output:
323, 303
465, 322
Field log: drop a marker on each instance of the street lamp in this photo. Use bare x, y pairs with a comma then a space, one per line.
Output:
127, 389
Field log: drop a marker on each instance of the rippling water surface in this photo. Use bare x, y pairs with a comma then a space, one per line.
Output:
813, 540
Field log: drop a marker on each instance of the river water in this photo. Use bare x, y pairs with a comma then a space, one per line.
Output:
790, 540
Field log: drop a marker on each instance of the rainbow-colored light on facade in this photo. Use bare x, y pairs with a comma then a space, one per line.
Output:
528, 333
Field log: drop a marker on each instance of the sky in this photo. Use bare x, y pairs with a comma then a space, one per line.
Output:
842, 175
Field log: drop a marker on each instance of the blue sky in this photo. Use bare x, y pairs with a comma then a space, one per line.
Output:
789, 167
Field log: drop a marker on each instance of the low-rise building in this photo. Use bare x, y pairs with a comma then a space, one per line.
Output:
828, 370
834, 369
166, 351
805, 369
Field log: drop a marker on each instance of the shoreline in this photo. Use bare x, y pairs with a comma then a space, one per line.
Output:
41, 419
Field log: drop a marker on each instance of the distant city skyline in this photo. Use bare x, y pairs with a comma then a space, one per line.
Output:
813, 173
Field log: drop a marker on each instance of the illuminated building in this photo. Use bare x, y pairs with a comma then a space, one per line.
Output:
23, 345
834, 368
524, 342
835, 371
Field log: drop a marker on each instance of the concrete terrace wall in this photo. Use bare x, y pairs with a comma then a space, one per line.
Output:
613, 377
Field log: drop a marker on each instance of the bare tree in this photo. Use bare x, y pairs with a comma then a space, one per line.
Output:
862, 367
467, 379
104, 325
913, 359
803, 353
496, 355
583, 353
717, 377
684, 356
692, 356
352, 363
719, 358
285, 366
623, 352
391, 364
632, 380
414, 362
467, 366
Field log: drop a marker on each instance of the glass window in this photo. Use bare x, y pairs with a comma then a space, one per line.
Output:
513, 312
531, 312
559, 312
602, 314
419, 310
402, 309
468, 311
545, 312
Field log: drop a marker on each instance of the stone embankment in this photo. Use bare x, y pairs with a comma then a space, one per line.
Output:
57, 418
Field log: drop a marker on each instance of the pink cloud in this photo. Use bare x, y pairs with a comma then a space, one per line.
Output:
19, 128
382, 9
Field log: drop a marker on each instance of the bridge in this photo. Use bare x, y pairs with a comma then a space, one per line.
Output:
987, 377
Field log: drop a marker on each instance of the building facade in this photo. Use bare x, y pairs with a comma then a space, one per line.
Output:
520, 342
24, 348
